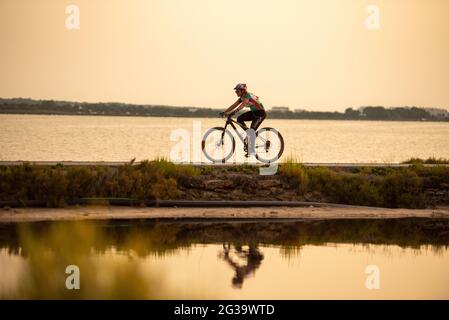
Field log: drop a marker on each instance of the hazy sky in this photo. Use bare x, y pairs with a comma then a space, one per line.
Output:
313, 54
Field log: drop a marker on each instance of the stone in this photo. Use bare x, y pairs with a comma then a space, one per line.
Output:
268, 183
217, 184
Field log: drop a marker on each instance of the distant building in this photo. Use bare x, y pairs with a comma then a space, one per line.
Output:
193, 109
438, 113
300, 110
280, 109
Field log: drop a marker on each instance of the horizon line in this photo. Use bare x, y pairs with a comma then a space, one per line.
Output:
187, 106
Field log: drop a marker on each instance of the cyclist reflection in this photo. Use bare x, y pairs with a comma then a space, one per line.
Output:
253, 258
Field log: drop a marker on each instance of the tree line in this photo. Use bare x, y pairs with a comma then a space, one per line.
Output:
29, 106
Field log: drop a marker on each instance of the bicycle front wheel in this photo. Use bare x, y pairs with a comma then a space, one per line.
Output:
218, 145
269, 145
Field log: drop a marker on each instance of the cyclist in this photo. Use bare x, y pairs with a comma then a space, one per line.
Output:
256, 114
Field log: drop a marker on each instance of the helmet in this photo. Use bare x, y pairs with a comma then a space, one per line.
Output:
240, 86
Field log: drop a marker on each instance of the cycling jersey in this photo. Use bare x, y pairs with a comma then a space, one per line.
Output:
252, 101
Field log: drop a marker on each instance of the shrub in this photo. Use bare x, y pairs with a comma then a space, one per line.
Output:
57, 184
356, 190
433, 177
321, 179
403, 189
296, 175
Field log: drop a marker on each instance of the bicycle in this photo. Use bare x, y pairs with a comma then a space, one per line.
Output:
267, 149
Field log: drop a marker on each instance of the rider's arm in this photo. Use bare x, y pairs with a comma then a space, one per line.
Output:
244, 103
234, 105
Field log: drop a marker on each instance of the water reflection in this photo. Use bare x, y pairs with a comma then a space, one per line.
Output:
252, 258
151, 260
105, 272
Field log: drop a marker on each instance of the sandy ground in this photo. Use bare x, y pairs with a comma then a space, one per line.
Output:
114, 212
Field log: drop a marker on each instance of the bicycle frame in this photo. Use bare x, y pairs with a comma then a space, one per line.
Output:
231, 122
250, 146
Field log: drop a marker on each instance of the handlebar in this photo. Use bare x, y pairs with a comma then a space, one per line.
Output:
223, 115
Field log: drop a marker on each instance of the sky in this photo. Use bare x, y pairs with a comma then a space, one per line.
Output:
308, 54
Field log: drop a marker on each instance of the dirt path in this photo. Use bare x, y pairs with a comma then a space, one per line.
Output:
200, 164
114, 212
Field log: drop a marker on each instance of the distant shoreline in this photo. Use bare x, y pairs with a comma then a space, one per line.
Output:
211, 117
366, 113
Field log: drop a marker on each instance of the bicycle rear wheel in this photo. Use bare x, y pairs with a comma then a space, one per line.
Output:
218, 145
269, 145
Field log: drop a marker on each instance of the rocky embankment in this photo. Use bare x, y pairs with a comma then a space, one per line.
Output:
238, 186
413, 187
227, 184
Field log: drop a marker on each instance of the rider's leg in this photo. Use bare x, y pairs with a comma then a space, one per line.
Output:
259, 117
247, 116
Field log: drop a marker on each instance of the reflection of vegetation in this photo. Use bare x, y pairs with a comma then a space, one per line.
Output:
403, 187
151, 238
48, 254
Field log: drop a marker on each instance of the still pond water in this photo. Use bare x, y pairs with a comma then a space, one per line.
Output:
188, 260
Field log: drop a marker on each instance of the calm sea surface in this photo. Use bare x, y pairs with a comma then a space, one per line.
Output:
98, 138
